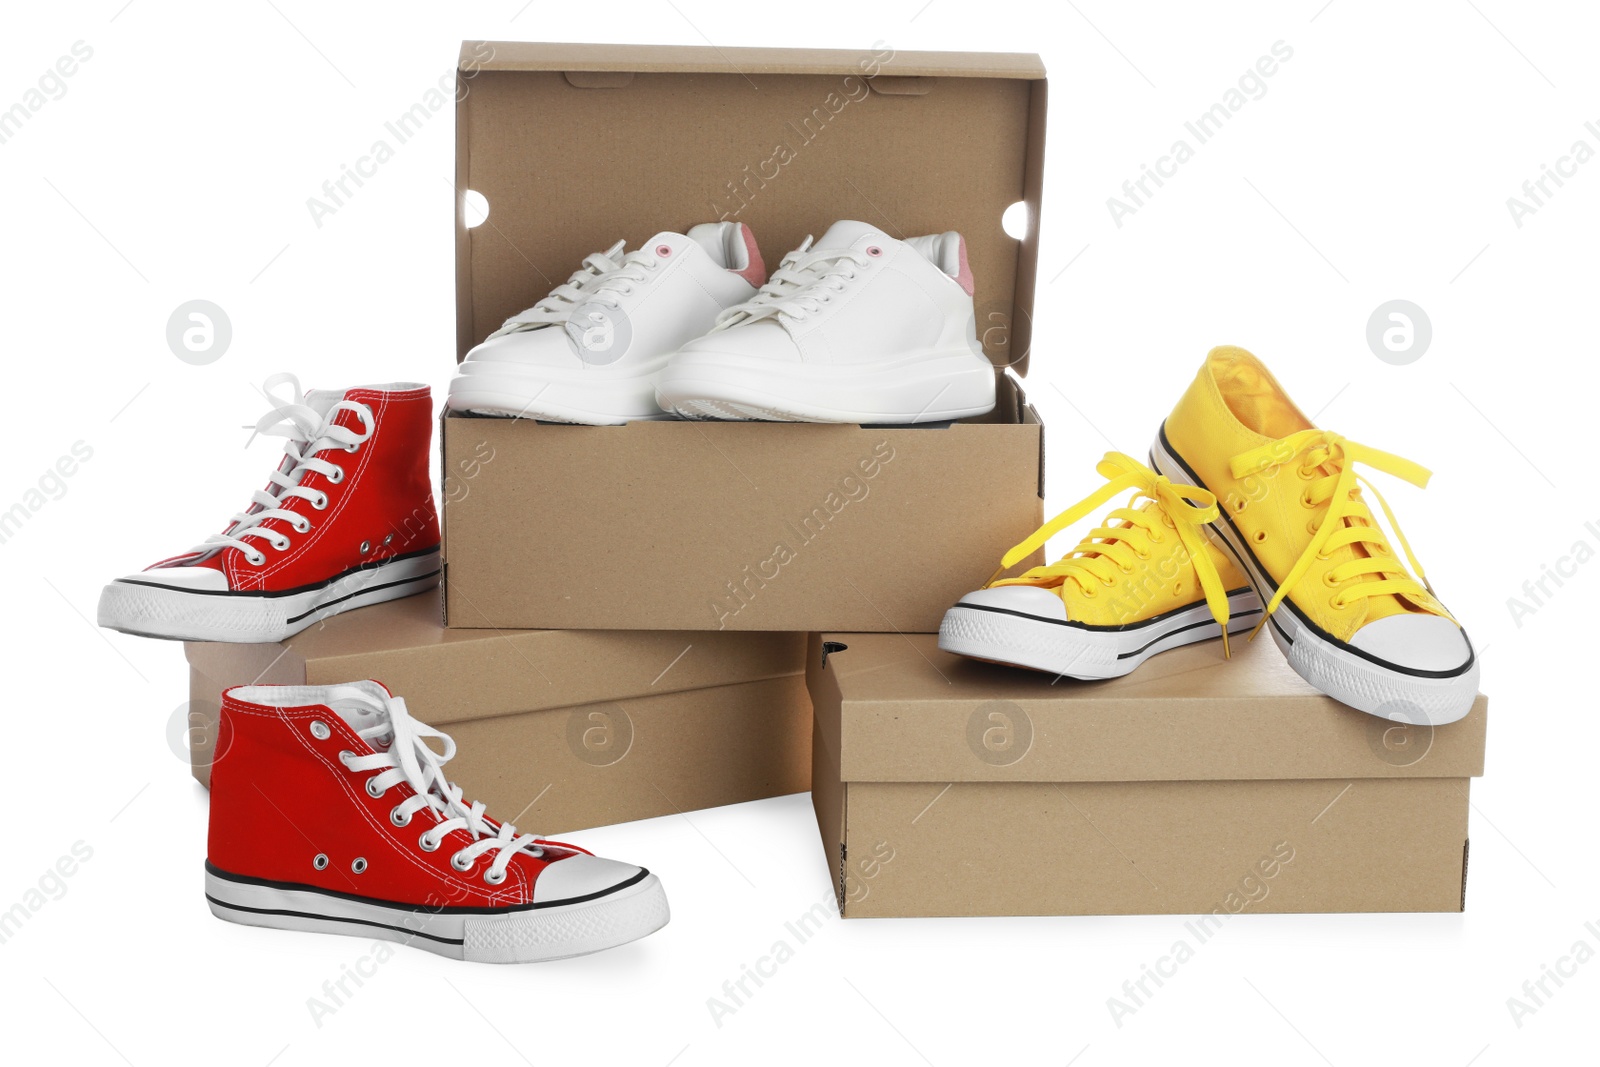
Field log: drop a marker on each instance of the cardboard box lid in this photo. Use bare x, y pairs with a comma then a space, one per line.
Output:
576, 145
460, 675
893, 708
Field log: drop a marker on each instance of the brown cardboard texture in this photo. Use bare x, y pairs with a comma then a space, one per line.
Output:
1195, 785
557, 730
742, 526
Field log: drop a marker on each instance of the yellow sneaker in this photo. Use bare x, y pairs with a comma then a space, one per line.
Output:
1358, 625
1144, 581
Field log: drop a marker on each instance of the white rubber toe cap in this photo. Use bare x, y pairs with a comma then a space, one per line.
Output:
1416, 642
1028, 599
580, 876
190, 579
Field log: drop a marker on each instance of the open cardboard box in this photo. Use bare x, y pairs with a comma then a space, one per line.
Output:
738, 526
1194, 785
557, 730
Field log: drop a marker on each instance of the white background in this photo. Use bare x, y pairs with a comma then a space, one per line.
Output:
1377, 166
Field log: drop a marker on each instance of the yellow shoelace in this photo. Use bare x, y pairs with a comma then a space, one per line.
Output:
1106, 550
1327, 464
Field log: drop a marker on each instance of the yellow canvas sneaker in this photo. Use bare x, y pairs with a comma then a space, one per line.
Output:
1351, 618
1144, 581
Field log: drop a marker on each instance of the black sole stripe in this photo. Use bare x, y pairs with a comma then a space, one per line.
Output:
1288, 602
261, 594
1191, 626
333, 919
362, 592
300, 887
1141, 624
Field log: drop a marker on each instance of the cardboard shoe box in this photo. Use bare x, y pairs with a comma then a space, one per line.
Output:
738, 526
556, 730
1195, 785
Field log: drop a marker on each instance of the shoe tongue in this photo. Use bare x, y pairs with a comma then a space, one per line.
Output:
361, 705
322, 400
846, 234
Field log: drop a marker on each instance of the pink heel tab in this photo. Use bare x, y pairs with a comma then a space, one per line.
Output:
755, 271
964, 273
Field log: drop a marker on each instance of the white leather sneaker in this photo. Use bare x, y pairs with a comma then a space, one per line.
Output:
591, 351
858, 328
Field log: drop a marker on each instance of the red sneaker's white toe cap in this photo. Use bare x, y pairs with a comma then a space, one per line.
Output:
190, 579
1415, 642
581, 876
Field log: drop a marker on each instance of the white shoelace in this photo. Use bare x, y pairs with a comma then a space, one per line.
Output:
407, 757
309, 433
804, 281
604, 277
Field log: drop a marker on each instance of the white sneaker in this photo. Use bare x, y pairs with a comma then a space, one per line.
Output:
858, 328
591, 351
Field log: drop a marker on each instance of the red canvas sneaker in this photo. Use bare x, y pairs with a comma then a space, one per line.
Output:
330, 812
346, 520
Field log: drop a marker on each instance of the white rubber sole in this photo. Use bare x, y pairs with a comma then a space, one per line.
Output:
1356, 679
923, 387
150, 610
594, 399
1069, 650
523, 934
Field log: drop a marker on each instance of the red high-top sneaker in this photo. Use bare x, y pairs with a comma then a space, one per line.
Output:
346, 520
330, 812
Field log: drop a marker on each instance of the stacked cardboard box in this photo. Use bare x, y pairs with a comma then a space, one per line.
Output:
738, 526
1194, 785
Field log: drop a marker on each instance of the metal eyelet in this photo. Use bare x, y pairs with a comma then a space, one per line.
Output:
320, 501
319, 730
255, 560
489, 877
874, 251
358, 865
1177, 589
320, 861
1259, 537
336, 475
1329, 580
460, 862
426, 843
399, 819
280, 544
301, 525
663, 251
372, 789
345, 756
387, 538
352, 448
1306, 501
366, 546
1305, 475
